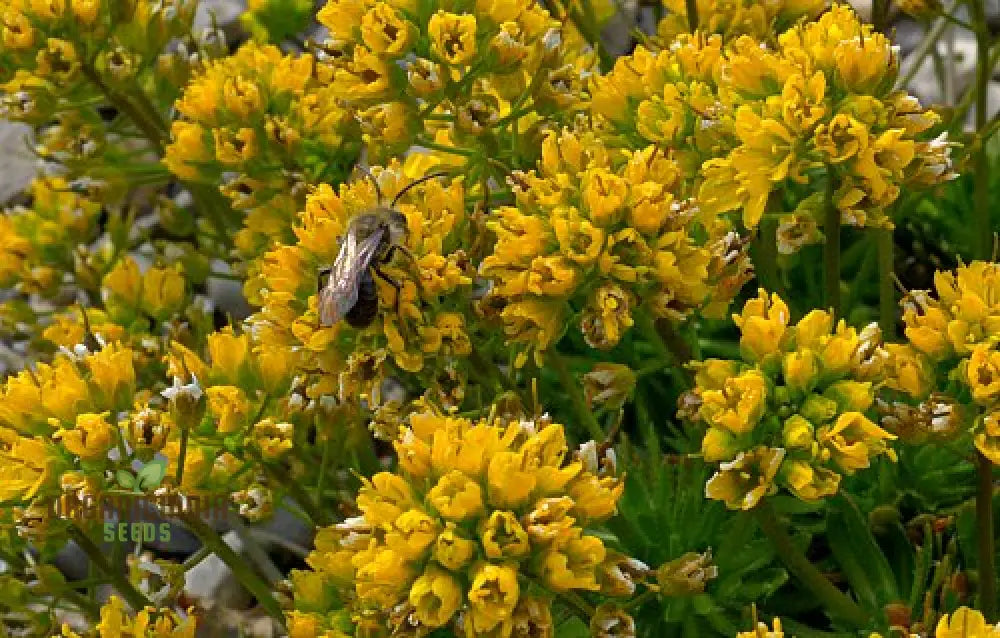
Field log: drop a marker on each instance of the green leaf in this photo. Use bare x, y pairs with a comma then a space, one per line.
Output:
573, 628
125, 479
859, 555
151, 474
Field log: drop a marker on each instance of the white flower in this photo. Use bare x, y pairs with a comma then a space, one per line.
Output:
192, 389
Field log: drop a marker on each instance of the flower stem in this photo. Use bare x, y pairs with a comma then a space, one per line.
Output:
880, 15
572, 388
886, 288
984, 538
691, 6
766, 254
831, 249
983, 225
116, 578
834, 600
246, 576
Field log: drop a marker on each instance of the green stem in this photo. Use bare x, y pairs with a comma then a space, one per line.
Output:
984, 538
182, 454
115, 578
983, 225
886, 287
149, 129
669, 345
766, 253
572, 388
246, 576
831, 249
880, 15
834, 600
692, 14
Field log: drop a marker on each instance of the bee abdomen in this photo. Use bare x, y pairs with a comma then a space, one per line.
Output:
363, 312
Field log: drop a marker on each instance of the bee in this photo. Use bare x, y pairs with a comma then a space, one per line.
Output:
371, 240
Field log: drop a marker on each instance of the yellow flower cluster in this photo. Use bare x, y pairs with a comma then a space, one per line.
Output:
732, 19
56, 416
480, 524
38, 241
237, 403
792, 413
263, 125
455, 74
118, 622
604, 234
963, 623
760, 120
951, 349
59, 43
426, 317
761, 630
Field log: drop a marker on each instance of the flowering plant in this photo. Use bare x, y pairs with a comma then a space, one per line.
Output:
461, 286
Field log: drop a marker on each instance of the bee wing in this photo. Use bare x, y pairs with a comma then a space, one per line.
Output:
341, 291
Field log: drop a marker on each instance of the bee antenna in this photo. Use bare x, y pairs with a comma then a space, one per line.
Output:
367, 173
416, 182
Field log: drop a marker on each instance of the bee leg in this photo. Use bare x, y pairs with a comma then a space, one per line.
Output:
403, 249
392, 282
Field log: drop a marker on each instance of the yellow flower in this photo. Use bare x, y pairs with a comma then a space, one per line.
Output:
242, 97
412, 534
85, 10
800, 369
385, 31
493, 595
511, 479
841, 138
738, 405
435, 596
91, 438
853, 440
763, 631
573, 561
124, 281
273, 439
607, 317
163, 291
762, 324
455, 496
113, 374
864, 62
30, 466
187, 148
58, 59
503, 536
920, 8
965, 623
983, 374
228, 353
451, 550
742, 482
453, 37
808, 482
229, 405
719, 445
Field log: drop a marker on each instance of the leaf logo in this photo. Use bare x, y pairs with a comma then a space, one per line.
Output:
147, 478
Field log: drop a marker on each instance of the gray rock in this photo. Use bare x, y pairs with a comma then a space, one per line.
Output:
226, 13
213, 584
17, 164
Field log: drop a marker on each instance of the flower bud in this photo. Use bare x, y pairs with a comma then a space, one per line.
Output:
608, 384
611, 621
687, 575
